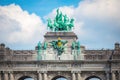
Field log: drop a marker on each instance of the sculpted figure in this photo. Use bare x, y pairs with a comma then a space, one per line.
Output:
39, 57
39, 46
76, 45
71, 24
61, 22
45, 45
50, 25
57, 16
59, 45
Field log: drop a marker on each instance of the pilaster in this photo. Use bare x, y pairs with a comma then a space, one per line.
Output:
119, 74
73, 76
107, 75
113, 76
39, 75
11, 76
45, 75
0, 76
79, 77
5, 75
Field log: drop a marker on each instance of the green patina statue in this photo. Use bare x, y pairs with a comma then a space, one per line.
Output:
76, 45
61, 23
59, 45
45, 45
39, 46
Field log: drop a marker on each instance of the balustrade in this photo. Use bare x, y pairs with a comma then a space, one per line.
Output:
30, 57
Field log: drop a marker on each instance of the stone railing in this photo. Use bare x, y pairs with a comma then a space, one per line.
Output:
33, 57
53, 66
95, 57
18, 57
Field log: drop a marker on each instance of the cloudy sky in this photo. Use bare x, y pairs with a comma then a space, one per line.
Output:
23, 22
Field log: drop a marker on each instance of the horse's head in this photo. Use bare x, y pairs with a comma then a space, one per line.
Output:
49, 20
71, 20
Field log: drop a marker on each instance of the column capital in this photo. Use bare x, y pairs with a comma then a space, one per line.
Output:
75, 71
10, 71
44, 71
5, 71
41, 71
79, 72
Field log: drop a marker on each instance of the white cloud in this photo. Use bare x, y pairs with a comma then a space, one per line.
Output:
100, 9
95, 20
18, 26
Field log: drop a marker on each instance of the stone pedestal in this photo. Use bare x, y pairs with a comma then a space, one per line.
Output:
65, 36
70, 36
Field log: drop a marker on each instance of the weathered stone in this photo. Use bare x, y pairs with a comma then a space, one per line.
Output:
88, 64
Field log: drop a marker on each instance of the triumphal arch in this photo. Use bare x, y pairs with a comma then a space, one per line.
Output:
60, 55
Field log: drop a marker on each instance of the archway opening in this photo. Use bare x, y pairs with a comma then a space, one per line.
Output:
93, 78
59, 78
25, 78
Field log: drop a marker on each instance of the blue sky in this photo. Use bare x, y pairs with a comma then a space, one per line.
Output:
23, 22
40, 7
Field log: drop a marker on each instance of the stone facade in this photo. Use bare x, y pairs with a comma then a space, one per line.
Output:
20, 64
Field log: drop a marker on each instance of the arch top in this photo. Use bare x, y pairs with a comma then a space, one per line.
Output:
24, 77
93, 78
59, 78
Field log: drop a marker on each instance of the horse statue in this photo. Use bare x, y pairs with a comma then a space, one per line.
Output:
71, 24
50, 25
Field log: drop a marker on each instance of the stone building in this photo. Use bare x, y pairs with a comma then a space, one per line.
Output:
60, 55
71, 64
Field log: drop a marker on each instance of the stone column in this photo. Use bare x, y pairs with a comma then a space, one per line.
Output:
113, 76
107, 75
11, 76
119, 75
5, 76
39, 76
73, 76
45, 75
79, 76
0, 76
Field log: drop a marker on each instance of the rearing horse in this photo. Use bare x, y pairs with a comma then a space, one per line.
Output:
50, 24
